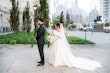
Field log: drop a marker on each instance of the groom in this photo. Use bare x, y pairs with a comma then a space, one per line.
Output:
41, 40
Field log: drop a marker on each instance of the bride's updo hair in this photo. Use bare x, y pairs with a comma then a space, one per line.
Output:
58, 25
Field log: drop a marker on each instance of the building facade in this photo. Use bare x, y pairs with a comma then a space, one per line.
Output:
105, 9
4, 23
5, 6
93, 15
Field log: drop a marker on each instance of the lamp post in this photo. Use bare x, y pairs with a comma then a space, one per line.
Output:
35, 20
35, 24
85, 33
92, 29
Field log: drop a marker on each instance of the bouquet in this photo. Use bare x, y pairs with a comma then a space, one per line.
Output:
51, 38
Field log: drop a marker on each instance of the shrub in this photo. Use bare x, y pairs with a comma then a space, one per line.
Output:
12, 42
25, 38
73, 26
84, 25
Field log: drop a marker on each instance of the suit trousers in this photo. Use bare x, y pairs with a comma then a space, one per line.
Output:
41, 52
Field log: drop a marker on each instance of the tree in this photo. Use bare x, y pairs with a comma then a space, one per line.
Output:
84, 25
56, 20
24, 21
14, 16
74, 26
106, 24
27, 19
44, 11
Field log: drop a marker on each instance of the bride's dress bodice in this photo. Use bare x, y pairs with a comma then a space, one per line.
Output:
57, 35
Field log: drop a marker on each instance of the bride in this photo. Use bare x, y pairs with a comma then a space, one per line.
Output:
61, 55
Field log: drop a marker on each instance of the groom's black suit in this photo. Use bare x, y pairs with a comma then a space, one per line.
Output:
41, 41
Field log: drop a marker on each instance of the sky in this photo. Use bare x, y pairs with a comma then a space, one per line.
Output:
84, 4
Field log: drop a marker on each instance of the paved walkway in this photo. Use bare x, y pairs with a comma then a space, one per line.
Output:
23, 58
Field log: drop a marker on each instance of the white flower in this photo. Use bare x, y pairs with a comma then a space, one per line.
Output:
51, 38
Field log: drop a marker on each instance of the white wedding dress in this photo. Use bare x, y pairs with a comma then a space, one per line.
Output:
61, 55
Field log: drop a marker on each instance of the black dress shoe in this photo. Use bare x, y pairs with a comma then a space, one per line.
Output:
41, 64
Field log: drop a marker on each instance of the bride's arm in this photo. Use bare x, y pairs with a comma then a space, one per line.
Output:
49, 31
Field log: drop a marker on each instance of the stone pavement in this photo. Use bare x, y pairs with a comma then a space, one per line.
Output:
23, 59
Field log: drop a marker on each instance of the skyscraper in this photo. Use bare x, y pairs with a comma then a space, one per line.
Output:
76, 3
55, 3
105, 9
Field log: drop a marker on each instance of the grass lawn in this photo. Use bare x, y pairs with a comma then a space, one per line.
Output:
25, 38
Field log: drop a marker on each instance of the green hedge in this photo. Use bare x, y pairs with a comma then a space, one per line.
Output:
77, 40
25, 38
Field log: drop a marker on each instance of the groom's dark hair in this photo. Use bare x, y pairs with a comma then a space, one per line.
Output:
41, 19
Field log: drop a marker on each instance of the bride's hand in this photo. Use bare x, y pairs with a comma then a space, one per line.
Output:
57, 38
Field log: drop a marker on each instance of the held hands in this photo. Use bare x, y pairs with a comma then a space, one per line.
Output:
52, 38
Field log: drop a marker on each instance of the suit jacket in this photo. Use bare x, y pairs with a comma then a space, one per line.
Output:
41, 34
